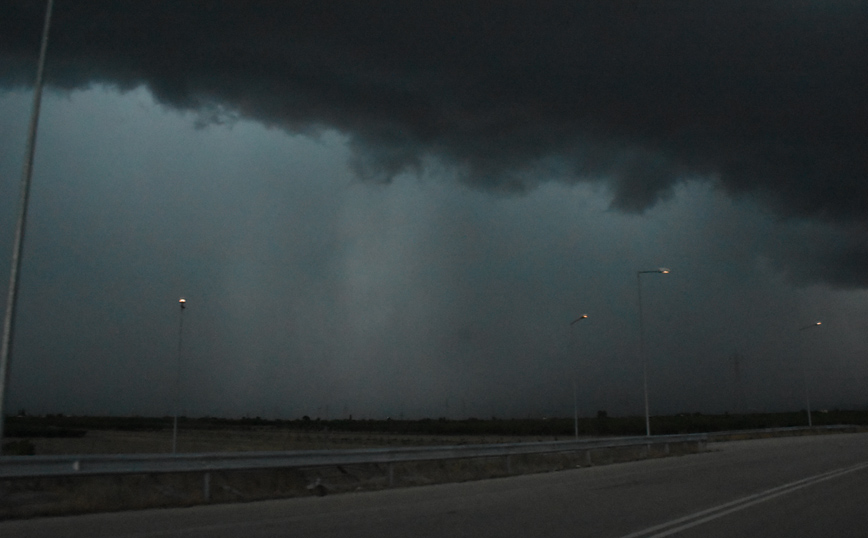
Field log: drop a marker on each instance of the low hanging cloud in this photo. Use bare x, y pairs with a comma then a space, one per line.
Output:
767, 99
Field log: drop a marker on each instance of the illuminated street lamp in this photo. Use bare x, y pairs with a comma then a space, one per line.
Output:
575, 397
664, 271
805, 374
183, 303
584, 316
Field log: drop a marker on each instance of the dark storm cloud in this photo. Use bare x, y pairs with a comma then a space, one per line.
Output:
767, 98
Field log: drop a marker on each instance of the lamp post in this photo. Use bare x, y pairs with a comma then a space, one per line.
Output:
183, 303
664, 271
575, 397
805, 375
26, 174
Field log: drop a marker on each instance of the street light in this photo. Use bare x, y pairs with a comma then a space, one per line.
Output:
575, 397
664, 271
805, 373
183, 303
18, 241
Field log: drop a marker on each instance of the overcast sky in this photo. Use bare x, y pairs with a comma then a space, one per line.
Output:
397, 208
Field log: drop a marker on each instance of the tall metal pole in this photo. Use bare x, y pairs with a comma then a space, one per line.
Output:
575, 411
12, 292
575, 396
183, 303
639, 274
642, 356
805, 376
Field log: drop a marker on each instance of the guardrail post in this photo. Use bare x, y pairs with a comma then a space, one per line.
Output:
508, 465
588, 460
206, 487
666, 449
391, 474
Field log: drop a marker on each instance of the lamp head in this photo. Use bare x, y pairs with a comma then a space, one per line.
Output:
583, 316
182, 302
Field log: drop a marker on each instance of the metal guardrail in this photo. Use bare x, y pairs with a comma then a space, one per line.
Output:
722, 435
89, 464
79, 465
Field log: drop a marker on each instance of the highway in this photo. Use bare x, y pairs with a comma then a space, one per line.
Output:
793, 487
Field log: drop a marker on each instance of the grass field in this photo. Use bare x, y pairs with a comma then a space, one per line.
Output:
234, 439
58, 434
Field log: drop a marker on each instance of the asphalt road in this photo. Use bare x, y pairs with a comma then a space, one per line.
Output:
793, 487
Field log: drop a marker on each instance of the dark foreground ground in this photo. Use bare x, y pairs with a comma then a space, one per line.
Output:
117, 435
58, 434
805, 486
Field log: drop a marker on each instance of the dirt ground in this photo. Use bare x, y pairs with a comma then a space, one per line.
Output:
34, 497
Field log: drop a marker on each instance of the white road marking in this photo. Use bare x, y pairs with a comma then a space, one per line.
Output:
677, 525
